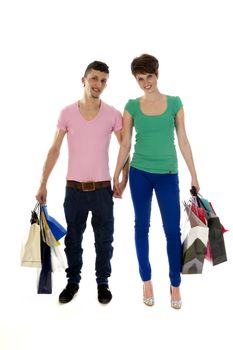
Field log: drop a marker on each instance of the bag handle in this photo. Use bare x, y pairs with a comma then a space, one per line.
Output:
193, 191
198, 197
35, 214
184, 226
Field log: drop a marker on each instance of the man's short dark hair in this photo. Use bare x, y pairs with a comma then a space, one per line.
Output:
97, 65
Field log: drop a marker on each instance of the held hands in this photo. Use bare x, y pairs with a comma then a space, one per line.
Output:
118, 187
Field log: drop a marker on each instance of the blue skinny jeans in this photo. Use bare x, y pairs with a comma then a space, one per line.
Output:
166, 188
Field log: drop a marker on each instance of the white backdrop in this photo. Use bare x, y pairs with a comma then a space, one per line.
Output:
45, 47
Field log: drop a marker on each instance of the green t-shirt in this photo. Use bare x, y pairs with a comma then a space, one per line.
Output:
154, 149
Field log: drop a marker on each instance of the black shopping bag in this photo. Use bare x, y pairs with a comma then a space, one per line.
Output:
216, 241
45, 277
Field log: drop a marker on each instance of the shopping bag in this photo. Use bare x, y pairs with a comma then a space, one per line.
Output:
195, 242
216, 251
45, 276
193, 217
56, 259
47, 234
56, 228
51, 259
30, 256
223, 229
50, 240
41, 250
194, 250
216, 241
206, 206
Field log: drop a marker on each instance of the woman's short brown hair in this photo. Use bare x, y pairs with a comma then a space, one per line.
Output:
145, 64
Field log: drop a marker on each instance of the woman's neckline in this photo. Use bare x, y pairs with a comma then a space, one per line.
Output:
153, 115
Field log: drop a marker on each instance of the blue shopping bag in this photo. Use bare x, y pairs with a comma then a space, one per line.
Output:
56, 228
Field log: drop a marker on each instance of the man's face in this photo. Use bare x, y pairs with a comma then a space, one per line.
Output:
94, 83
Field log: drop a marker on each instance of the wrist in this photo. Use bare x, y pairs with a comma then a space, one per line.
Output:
194, 179
43, 185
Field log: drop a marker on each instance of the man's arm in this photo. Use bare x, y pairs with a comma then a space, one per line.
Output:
49, 164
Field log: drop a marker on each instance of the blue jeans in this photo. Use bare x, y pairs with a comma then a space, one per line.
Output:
166, 187
77, 205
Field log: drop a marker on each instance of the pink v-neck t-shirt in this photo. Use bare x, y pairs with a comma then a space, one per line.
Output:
88, 141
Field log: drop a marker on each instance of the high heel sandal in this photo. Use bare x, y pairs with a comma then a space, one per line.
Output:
175, 304
149, 301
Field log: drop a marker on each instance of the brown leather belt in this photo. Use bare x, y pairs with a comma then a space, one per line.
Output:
87, 186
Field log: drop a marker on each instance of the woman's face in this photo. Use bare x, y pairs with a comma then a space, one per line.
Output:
147, 82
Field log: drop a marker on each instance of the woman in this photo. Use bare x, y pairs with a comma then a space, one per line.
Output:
154, 167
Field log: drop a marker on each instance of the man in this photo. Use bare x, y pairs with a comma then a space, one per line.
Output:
88, 124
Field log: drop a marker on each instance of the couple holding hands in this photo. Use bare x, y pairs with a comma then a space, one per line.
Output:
88, 124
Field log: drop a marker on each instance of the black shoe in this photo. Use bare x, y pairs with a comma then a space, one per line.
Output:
68, 293
104, 294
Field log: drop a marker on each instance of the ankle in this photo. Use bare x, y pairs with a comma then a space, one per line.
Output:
175, 293
148, 288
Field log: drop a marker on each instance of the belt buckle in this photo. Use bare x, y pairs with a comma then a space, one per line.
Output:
88, 186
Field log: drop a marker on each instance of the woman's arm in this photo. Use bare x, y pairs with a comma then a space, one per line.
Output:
185, 148
124, 152
125, 170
